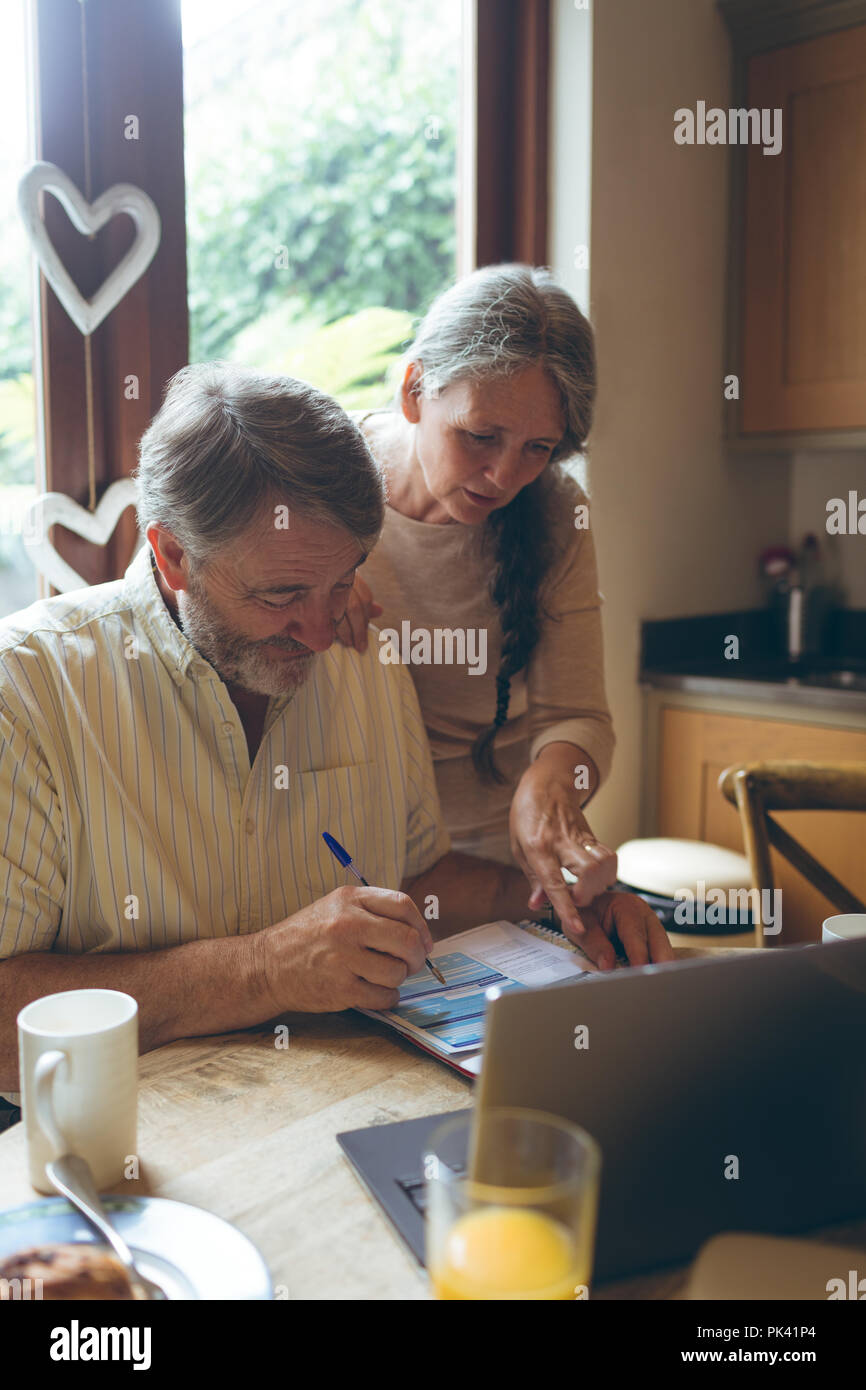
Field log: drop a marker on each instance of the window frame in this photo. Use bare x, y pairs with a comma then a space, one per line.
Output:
134, 67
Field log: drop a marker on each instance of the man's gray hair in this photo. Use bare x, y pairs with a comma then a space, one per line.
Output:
499, 320
228, 440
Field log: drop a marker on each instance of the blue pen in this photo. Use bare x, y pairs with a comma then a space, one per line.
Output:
346, 860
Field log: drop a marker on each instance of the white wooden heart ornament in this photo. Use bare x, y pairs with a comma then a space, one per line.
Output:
88, 314
97, 527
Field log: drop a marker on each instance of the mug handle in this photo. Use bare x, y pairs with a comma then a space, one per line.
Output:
44, 1074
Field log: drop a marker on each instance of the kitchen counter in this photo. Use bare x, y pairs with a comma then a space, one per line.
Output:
810, 691
687, 655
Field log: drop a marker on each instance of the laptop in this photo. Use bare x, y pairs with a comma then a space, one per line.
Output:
726, 1095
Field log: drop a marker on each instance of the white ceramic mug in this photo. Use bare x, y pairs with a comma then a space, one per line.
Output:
844, 927
78, 1057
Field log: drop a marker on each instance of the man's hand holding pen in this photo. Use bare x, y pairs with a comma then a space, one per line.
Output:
350, 949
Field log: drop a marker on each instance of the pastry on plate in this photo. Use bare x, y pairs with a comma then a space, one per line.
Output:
77, 1271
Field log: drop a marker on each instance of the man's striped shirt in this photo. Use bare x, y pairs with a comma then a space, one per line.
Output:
130, 818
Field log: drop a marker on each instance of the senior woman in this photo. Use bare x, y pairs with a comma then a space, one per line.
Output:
486, 535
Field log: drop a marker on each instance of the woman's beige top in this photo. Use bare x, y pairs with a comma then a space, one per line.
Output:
430, 577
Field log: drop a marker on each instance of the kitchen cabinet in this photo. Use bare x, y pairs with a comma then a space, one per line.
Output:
797, 334
693, 745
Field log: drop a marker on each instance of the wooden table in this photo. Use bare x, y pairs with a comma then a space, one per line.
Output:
246, 1129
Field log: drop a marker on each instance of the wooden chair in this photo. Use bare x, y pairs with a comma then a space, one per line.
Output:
756, 789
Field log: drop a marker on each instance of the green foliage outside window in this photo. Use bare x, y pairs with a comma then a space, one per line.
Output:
321, 186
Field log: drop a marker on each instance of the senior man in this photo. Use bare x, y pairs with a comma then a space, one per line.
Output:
173, 744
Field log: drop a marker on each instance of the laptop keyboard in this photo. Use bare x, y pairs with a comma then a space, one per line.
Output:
416, 1189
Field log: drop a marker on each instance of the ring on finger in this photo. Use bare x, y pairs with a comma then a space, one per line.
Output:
588, 845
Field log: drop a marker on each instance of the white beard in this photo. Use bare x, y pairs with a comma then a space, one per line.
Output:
235, 659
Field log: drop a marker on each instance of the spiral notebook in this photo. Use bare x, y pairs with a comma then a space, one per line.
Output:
448, 1020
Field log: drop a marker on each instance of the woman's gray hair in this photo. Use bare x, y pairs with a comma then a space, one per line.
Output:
227, 440
502, 319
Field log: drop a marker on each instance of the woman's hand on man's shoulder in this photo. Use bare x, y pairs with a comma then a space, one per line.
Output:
360, 610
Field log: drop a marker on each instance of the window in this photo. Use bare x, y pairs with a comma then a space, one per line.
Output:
18, 584
318, 192
321, 169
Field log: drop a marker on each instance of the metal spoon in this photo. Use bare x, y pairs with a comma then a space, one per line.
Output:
72, 1177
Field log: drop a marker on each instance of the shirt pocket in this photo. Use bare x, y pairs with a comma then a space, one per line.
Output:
355, 806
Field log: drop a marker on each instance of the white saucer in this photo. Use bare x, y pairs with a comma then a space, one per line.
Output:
189, 1252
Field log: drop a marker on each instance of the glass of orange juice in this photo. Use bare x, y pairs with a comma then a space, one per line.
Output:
512, 1199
